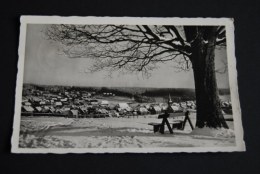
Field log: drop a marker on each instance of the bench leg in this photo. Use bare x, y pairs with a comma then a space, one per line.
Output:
185, 120
161, 129
191, 125
168, 125
156, 128
180, 125
177, 126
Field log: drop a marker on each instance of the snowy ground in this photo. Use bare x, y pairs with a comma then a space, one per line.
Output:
54, 132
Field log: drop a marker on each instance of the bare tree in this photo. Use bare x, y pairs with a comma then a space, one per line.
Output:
134, 48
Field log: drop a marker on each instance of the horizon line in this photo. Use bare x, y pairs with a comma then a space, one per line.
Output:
114, 86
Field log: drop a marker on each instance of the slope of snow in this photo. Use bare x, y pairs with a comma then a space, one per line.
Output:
211, 132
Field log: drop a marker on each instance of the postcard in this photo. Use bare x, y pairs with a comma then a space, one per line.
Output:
126, 84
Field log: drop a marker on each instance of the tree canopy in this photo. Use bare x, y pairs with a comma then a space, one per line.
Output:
130, 47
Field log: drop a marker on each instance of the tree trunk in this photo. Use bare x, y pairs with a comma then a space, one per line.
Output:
207, 98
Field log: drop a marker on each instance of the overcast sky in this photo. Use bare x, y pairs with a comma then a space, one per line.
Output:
44, 65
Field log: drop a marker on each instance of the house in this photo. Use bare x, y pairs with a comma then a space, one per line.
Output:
103, 111
111, 106
176, 104
135, 112
87, 99
36, 99
129, 109
52, 110
190, 104
122, 106
83, 111
122, 112
27, 109
86, 95
155, 109
65, 109
64, 100
27, 104
175, 109
94, 102
104, 103
147, 106
163, 106
25, 100
74, 106
46, 109
113, 113
47, 102
59, 111
142, 111
38, 109
42, 102
58, 104
92, 110
183, 105
73, 113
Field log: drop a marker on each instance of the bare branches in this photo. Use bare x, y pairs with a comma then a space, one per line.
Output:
134, 48
182, 64
221, 36
172, 29
221, 42
129, 47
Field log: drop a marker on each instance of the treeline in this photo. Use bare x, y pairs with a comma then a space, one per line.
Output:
171, 91
176, 93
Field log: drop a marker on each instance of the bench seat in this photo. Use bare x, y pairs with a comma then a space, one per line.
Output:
156, 126
177, 124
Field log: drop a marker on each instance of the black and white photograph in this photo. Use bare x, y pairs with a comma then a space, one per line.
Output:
126, 84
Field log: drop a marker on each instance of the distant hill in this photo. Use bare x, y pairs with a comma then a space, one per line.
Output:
131, 91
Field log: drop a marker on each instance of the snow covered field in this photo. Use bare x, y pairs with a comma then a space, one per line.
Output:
58, 132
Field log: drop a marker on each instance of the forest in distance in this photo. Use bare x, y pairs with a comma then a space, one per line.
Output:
176, 93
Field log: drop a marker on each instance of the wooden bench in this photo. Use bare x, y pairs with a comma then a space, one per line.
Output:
179, 124
156, 126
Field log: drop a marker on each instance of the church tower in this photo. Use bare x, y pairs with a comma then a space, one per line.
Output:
169, 108
169, 100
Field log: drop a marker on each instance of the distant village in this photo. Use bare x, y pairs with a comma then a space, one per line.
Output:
66, 102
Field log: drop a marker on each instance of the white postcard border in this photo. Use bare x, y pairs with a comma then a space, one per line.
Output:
228, 22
